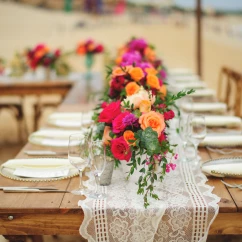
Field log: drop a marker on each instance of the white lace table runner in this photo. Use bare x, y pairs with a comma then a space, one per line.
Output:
184, 214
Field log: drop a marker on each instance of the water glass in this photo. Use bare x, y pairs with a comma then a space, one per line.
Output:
78, 155
197, 129
98, 162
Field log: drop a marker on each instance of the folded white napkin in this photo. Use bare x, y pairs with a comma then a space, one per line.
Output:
66, 115
37, 163
54, 133
70, 120
205, 107
180, 71
223, 121
190, 85
221, 169
206, 92
222, 140
185, 78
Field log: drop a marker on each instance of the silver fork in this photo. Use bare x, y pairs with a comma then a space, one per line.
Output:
232, 185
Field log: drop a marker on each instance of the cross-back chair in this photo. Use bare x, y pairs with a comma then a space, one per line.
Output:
230, 89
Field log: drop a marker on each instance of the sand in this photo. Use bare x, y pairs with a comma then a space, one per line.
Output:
24, 26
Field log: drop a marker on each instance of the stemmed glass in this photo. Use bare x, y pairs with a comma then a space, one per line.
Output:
98, 162
78, 155
183, 133
197, 129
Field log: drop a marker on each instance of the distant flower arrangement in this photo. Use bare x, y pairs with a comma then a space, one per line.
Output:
41, 55
89, 47
133, 119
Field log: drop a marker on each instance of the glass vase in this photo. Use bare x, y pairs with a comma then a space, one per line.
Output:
89, 60
107, 174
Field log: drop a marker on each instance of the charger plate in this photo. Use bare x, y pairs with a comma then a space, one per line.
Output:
224, 167
8, 172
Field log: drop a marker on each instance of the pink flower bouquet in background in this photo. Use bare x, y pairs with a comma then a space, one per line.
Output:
41, 55
134, 117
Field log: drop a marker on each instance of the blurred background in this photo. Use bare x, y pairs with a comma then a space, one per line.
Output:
170, 25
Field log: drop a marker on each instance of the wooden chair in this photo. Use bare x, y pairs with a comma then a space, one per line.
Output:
230, 89
16, 107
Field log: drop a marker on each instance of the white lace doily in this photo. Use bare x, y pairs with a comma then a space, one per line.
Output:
184, 212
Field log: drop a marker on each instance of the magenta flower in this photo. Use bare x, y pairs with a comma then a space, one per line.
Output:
137, 44
130, 120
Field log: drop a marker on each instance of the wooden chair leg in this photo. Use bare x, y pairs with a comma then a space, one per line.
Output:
37, 238
15, 238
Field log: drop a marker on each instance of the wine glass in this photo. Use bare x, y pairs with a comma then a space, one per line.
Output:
197, 129
78, 155
183, 133
98, 162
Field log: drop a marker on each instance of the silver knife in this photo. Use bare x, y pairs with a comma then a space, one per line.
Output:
40, 188
32, 190
43, 153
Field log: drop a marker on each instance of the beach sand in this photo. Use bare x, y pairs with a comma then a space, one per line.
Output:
24, 26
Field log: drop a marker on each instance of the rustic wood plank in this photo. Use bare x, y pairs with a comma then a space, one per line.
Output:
227, 223
67, 223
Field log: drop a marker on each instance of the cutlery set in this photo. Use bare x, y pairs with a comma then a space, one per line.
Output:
31, 189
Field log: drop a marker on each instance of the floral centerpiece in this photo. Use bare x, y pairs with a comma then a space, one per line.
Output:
89, 48
133, 121
41, 55
2, 66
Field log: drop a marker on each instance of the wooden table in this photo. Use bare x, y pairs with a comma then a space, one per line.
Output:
57, 213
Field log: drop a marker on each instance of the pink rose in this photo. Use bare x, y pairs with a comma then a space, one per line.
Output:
110, 112
162, 137
118, 124
120, 149
169, 115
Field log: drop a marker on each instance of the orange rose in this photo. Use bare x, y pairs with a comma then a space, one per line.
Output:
153, 120
118, 71
136, 73
131, 88
153, 81
129, 137
145, 106
106, 137
118, 60
163, 91
149, 54
151, 71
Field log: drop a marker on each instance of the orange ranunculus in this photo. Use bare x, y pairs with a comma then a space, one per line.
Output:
153, 81
163, 91
145, 106
132, 88
106, 138
154, 120
129, 137
151, 71
149, 54
136, 73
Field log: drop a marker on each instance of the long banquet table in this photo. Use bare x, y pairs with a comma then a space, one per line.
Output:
58, 213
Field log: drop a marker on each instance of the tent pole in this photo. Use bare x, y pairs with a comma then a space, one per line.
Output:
199, 37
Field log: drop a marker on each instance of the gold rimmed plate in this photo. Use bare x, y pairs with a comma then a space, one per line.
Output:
223, 167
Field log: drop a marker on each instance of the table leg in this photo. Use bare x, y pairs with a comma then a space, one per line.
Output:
15, 238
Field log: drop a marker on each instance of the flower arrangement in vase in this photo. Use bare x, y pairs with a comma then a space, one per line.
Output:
41, 55
133, 119
89, 48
